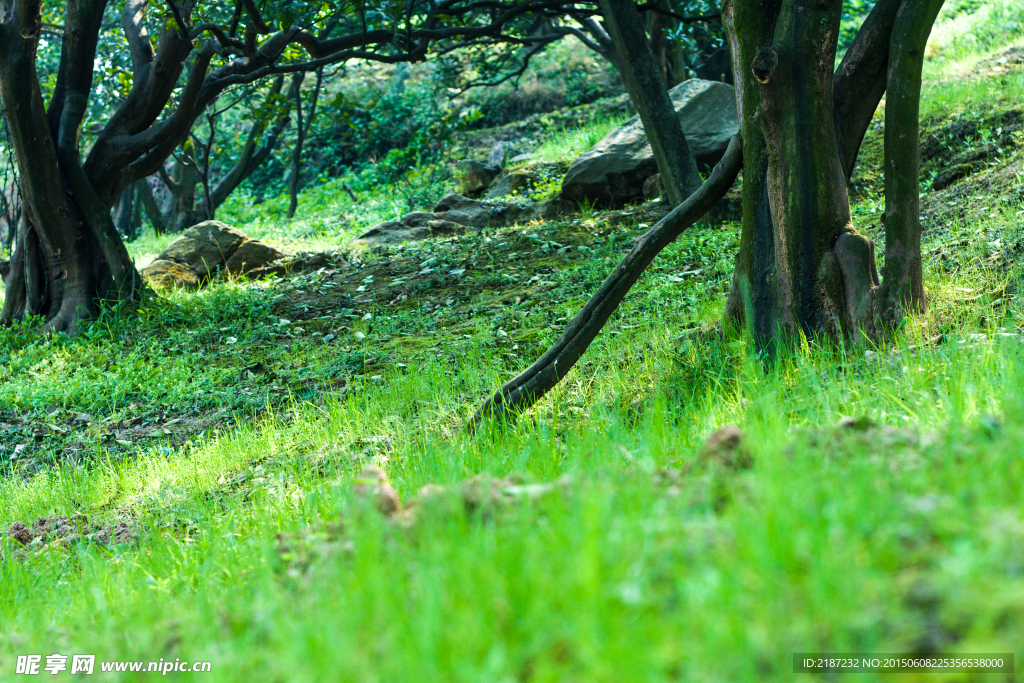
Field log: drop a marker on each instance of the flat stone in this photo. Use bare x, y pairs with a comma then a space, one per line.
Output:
415, 226
470, 212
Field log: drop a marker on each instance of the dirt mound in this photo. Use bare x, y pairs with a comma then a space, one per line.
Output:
70, 530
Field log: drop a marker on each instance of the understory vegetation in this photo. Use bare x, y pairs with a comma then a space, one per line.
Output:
215, 445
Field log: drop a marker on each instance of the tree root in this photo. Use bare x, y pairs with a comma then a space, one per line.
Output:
529, 386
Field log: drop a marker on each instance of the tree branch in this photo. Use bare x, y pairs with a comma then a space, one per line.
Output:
859, 82
135, 32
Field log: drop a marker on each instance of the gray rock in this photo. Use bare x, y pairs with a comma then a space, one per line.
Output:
613, 171
414, 226
454, 214
501, 153
250, 255
470, 212
476, 176
653, 188
508, 184
546, 210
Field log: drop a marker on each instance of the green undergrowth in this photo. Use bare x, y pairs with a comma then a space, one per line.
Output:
872, 504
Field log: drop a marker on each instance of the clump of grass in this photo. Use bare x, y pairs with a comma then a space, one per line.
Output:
568, 143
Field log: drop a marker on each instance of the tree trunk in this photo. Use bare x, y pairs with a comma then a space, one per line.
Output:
802, 268
658, 27
128, 213
149, 203
647, 89
902, 291
181, 212
67, 255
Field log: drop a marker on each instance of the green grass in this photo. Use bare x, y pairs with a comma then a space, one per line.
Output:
566, 144
592, 541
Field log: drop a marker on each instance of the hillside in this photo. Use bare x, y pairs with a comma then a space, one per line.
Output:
275, 476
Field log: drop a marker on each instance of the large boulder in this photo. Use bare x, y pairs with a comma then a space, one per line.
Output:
613, 171
204, 250
204, 247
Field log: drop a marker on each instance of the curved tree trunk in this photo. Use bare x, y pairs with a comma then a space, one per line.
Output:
530, 385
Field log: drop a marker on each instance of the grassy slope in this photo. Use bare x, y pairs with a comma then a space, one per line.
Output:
643, 561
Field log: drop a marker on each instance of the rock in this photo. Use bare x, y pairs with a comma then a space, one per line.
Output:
652, 188
373, 484
546, 210
501, 153
414, 226
476, 176
453, 214
726, 447
203, 250
170, 274
250, 255
613, 171
204, 247
470, 212
508, 184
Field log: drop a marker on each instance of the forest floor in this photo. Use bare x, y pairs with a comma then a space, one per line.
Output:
197, 482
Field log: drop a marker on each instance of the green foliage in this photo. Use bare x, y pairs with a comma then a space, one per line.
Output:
968, 28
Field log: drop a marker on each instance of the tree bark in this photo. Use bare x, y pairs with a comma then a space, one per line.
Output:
859, 82
301, 131
802, 269
902, 291
658, 27
752, 302
646, 87
67, 254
